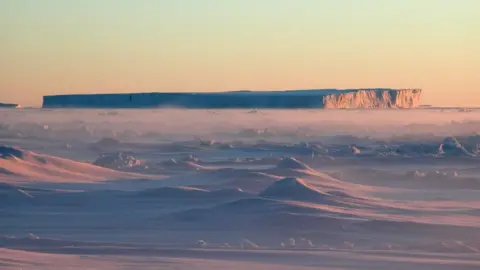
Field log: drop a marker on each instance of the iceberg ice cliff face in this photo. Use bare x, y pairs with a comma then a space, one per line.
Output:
322, 98
362, 99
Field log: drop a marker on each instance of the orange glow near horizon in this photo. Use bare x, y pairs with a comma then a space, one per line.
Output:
62, 47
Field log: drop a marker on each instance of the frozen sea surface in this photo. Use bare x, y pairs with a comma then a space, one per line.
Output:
239, 189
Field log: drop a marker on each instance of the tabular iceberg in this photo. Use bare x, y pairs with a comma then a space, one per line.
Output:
318, 98
9, 105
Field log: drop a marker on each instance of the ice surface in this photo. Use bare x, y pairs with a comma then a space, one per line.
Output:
239, 189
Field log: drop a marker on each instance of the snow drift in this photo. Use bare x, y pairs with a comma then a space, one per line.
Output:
19, 165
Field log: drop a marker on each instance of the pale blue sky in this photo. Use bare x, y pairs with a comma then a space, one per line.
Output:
87, 46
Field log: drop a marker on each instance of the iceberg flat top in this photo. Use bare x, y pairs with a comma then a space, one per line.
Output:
326, 91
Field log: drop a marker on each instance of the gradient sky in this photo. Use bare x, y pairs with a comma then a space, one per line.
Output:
92, 46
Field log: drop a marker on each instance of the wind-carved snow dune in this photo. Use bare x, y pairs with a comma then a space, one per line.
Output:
249, 213
296, 189
293, 163
277, 206
292, 168
18, 165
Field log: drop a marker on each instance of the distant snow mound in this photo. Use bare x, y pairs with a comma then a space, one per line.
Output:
417, 149
106, 143
451, 146
294, 189
292, 164
117, 161
11, 152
